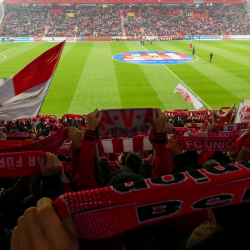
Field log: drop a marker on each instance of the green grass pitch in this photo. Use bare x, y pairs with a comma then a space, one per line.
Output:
88, 77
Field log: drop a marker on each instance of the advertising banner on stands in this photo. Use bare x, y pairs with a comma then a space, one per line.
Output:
23, 39
70, 39
240, 37
54, 39
203, 37
80, 38
38, 39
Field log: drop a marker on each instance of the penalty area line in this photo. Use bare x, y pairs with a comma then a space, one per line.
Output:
183, 82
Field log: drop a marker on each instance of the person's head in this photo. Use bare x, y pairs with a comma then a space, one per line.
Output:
146, 170
14, 127
133, 239
210, 163
233, 216
25, 129
233, 156
105, 167
133, 161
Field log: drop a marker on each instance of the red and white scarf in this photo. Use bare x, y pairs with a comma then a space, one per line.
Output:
105, 212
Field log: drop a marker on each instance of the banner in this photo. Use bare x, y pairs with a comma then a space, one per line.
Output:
243, 114
188, 96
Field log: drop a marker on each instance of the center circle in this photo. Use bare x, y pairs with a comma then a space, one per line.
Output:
2, 57
153, 57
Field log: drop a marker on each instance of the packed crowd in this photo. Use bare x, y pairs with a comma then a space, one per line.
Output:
98, 21
70, 21
159, 20
186, 20
19, 196
23, 21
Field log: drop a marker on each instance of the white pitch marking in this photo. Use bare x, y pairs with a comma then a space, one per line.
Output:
182, 81
1, 53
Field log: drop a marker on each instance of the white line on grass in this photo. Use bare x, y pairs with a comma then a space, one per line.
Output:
1, 53
7, 50
182, 81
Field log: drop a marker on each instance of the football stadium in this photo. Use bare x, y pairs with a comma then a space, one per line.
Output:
124, 125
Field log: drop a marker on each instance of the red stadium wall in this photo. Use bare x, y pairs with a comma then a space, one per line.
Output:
123, 2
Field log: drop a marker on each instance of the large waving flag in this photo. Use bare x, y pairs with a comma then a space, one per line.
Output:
188, 96
22, 95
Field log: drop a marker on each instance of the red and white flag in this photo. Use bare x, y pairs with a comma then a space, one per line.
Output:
243, 114
219, 119
22, 95
188, 96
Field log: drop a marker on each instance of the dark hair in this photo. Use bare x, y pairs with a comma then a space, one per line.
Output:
124, 159
233, 216
133, 161
105, 167
234, 155
14, 127
146, 170
210, 163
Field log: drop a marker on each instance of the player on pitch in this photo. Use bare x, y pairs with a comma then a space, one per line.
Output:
191, 46
193, 50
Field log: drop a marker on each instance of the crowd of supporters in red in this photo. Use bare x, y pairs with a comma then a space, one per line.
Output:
18, 195
204, 19
155, 20
41, 20
27, 217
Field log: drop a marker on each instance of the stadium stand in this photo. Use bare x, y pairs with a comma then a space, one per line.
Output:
164, 20
70, 164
